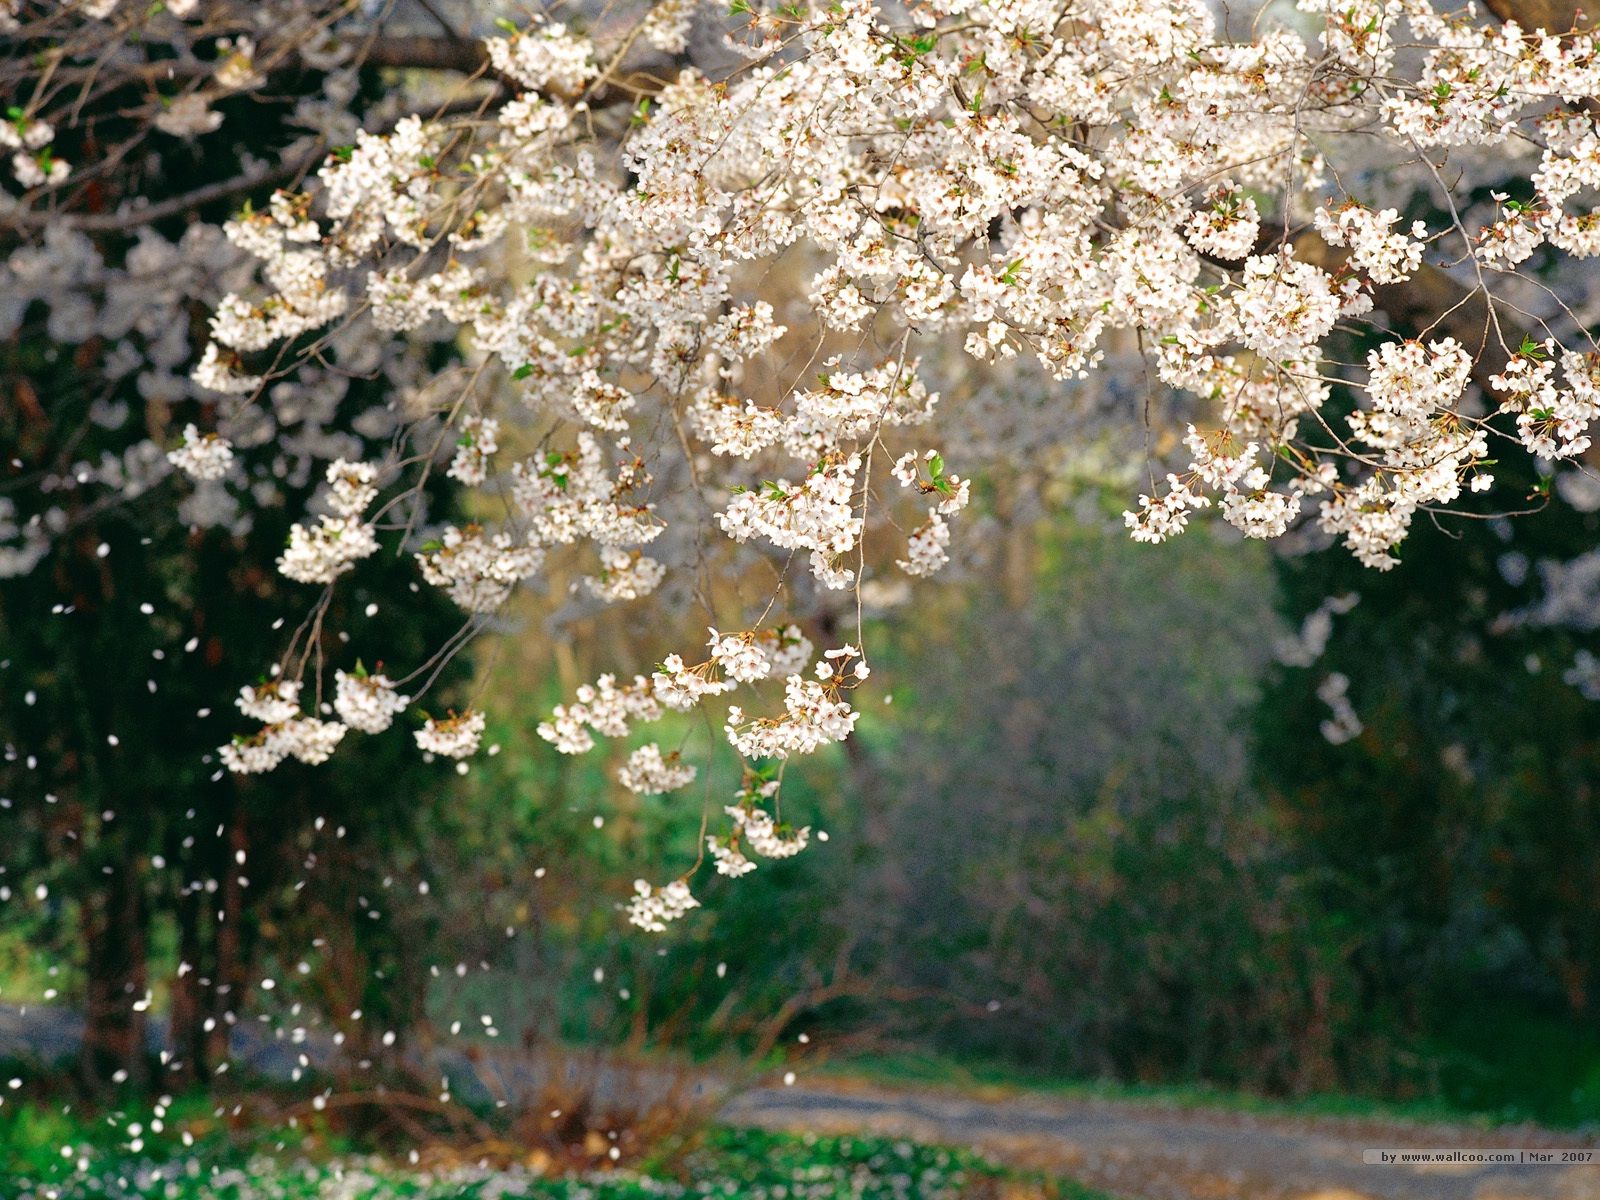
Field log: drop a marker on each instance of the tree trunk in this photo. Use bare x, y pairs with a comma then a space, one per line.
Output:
113, 923
190, 1051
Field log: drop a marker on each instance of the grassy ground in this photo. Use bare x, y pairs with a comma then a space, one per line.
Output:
191, 1152
999, 1080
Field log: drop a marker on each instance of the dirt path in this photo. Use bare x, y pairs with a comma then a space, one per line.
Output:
1146, 1152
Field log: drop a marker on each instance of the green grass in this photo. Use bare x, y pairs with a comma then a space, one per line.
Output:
195, 1156
936, 1071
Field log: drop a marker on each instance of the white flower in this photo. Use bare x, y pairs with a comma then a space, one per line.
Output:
727, 857
927, 549
1227, 227
308, 739
739, 431
758, 831
236, 71
188, 116
321, 553
605, 708
1387, 257
625, 575
681, 687
812, 719
271, 703
739, 656
652, 908
648, 773
368, 703
1284, 306
220, 371
39, 170
787, 650
252, 756
352, 487
546, 55
474, 450
478, 570
202, 456
455, 736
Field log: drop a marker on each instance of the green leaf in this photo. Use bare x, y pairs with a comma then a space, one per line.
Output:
523, 371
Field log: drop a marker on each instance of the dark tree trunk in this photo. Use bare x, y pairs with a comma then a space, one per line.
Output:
231, 978
190, 1049
114, 940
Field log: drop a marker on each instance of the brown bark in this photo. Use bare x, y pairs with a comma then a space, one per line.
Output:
1553, 16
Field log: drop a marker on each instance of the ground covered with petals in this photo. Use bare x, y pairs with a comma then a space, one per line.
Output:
48, 1156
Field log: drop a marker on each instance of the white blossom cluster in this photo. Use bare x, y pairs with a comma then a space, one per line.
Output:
322, 552
1552, 421
479, 441
33, 160
754, 829
652, 909
650, 773
916, 167
723, 321
285, 732
455, 736
202, 456
367, 702
625, 575
476, 568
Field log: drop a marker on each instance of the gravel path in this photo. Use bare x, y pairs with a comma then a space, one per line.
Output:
1160, 1153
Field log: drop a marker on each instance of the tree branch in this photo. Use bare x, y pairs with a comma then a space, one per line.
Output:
132, 216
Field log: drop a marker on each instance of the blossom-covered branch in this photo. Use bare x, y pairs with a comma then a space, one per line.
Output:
732, 328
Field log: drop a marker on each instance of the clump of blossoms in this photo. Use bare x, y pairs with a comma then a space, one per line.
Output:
367, 702
474, 450
754, 828
285, 732
652, 908
477, 569
454, 736
650, 773
322, 552
721, 326
202, 457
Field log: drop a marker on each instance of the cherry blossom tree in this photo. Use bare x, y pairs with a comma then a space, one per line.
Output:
737, 297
